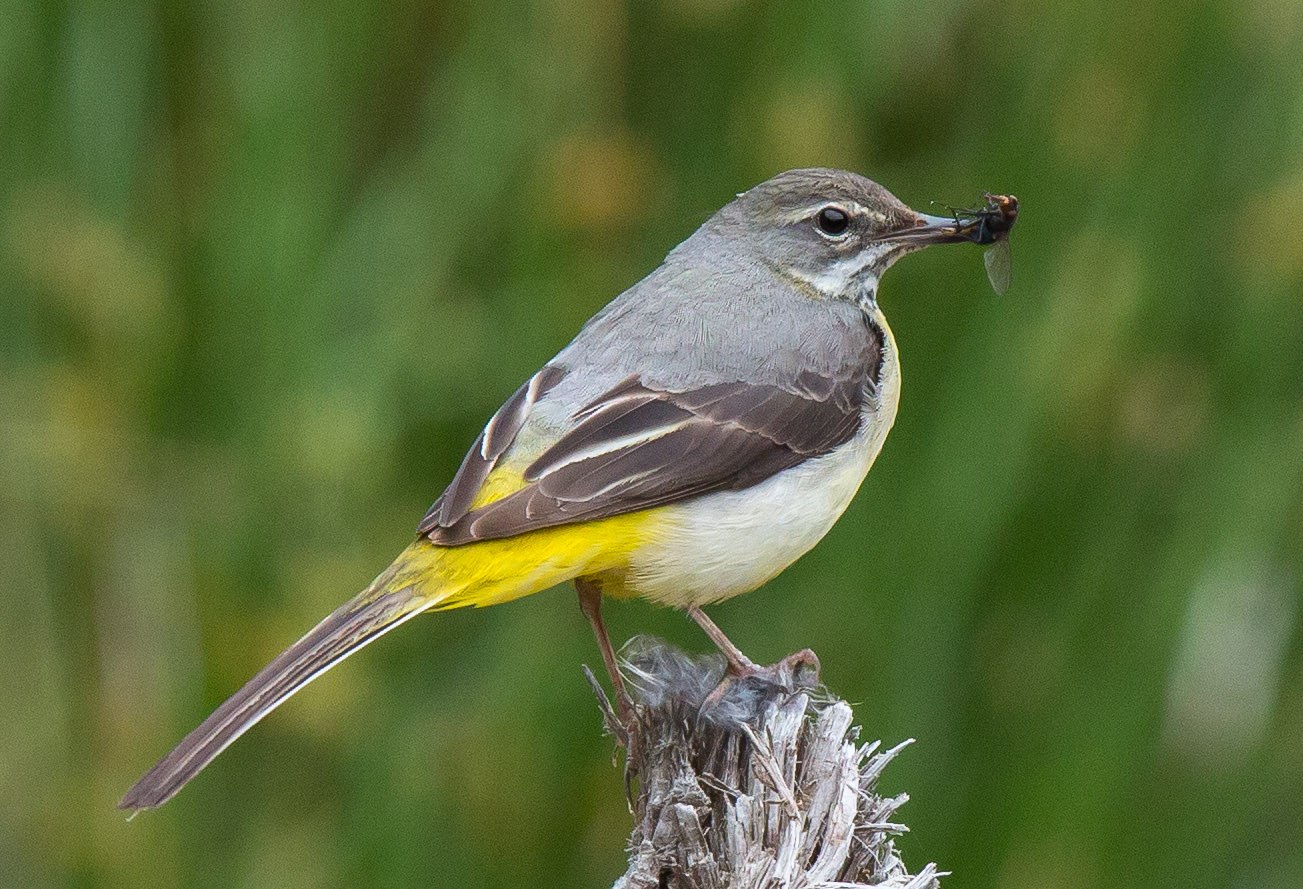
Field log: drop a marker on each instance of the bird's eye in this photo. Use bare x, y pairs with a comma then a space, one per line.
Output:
833, 221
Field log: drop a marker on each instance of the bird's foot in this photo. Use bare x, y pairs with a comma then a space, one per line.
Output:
787, 672
797, 670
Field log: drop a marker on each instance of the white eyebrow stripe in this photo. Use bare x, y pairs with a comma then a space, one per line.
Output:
855, 208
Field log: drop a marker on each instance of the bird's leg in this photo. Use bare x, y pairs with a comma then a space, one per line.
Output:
740, 666
590, 603
738, 663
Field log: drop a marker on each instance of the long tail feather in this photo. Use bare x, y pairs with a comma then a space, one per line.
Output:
365, 619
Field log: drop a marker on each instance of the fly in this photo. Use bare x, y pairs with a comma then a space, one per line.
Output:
990, 225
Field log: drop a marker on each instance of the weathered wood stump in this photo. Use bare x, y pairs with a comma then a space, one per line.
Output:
769, 786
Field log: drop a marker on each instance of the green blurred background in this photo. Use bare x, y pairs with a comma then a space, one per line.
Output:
266, 267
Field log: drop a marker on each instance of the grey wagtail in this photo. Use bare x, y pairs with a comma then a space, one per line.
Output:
700, 434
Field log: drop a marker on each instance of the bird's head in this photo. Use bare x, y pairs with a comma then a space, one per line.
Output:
833, 233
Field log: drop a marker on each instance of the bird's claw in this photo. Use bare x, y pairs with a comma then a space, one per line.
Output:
798, 670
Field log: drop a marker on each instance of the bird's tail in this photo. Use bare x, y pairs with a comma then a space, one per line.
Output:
424, 577
392, 598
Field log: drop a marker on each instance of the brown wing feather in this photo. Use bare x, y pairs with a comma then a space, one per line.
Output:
720, 438
454, 503
638, 446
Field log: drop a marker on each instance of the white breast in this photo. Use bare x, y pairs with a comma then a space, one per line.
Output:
730, 542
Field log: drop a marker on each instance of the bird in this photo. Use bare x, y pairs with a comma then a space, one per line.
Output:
700, 433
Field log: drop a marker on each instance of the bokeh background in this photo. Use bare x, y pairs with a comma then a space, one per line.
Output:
266, 267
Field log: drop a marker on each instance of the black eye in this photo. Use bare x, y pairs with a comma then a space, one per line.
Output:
833, 221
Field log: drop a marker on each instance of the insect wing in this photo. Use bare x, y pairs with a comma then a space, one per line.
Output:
999, 265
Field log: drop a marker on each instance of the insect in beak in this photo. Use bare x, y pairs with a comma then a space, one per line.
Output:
988, 225
991, 225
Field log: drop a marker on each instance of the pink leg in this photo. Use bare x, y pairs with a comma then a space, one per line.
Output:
740, 666
738, 663
590, 603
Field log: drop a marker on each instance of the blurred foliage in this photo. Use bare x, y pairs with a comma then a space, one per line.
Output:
265, 269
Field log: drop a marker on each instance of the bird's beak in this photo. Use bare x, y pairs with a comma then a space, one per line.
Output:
984, 226
935, 230
938, 230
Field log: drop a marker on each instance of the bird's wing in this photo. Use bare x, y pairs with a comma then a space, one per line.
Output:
639, 446
498, 435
